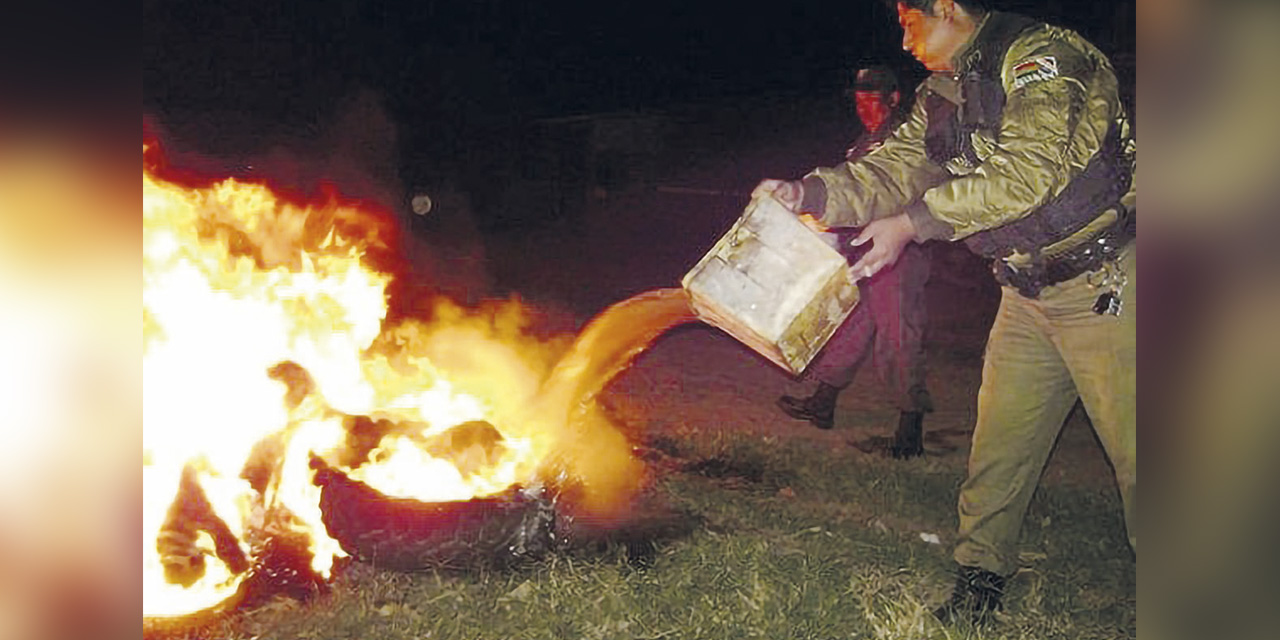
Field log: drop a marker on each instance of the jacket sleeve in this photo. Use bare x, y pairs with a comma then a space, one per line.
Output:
1058, 111
882, 182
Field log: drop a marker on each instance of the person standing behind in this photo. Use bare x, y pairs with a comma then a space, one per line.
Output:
888, 324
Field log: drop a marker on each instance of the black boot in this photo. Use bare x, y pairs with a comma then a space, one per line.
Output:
819, 408
975, 599
908, 441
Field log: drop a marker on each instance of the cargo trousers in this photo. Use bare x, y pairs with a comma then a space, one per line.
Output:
886, 327
1041, 356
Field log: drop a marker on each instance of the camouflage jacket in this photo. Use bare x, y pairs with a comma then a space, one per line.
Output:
1060, 105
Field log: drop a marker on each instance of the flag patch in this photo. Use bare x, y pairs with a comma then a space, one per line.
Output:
1034, 69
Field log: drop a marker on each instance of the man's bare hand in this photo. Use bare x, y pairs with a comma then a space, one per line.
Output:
787, 192
889, 236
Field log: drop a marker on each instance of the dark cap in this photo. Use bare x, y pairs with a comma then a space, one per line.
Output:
875, 78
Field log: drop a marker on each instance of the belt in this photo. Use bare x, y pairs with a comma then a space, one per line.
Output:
1104, 247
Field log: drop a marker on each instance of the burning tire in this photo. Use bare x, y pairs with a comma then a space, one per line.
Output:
404, 534
384, 418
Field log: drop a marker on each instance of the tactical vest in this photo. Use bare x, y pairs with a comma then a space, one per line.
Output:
1099, 187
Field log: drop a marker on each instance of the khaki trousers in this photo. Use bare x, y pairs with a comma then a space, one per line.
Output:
1041, 356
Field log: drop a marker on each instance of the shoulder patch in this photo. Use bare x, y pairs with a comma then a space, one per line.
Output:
1033, 70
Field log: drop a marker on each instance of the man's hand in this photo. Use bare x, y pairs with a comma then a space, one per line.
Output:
787, 192
888, 237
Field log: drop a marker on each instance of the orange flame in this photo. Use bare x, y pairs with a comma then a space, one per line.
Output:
236, 281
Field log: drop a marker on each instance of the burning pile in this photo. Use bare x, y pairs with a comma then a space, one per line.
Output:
279, 399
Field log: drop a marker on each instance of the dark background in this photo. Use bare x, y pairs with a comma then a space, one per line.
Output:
499, 59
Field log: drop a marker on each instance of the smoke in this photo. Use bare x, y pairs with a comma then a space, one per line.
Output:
350, 152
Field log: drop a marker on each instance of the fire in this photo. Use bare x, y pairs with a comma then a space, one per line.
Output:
266, 339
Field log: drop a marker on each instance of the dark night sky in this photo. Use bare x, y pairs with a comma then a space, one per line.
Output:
489, 58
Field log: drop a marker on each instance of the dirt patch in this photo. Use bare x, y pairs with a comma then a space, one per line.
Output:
723, 468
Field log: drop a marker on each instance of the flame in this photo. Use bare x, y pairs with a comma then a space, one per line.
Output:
266, 335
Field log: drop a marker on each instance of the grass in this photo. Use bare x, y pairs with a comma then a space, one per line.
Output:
794, 541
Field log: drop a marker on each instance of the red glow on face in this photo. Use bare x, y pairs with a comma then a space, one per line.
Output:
873, 108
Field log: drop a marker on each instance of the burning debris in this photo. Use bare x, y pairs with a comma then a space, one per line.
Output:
179, 543
289, 423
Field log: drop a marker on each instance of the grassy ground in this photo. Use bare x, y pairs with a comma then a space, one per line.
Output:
795, 540
797, 534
